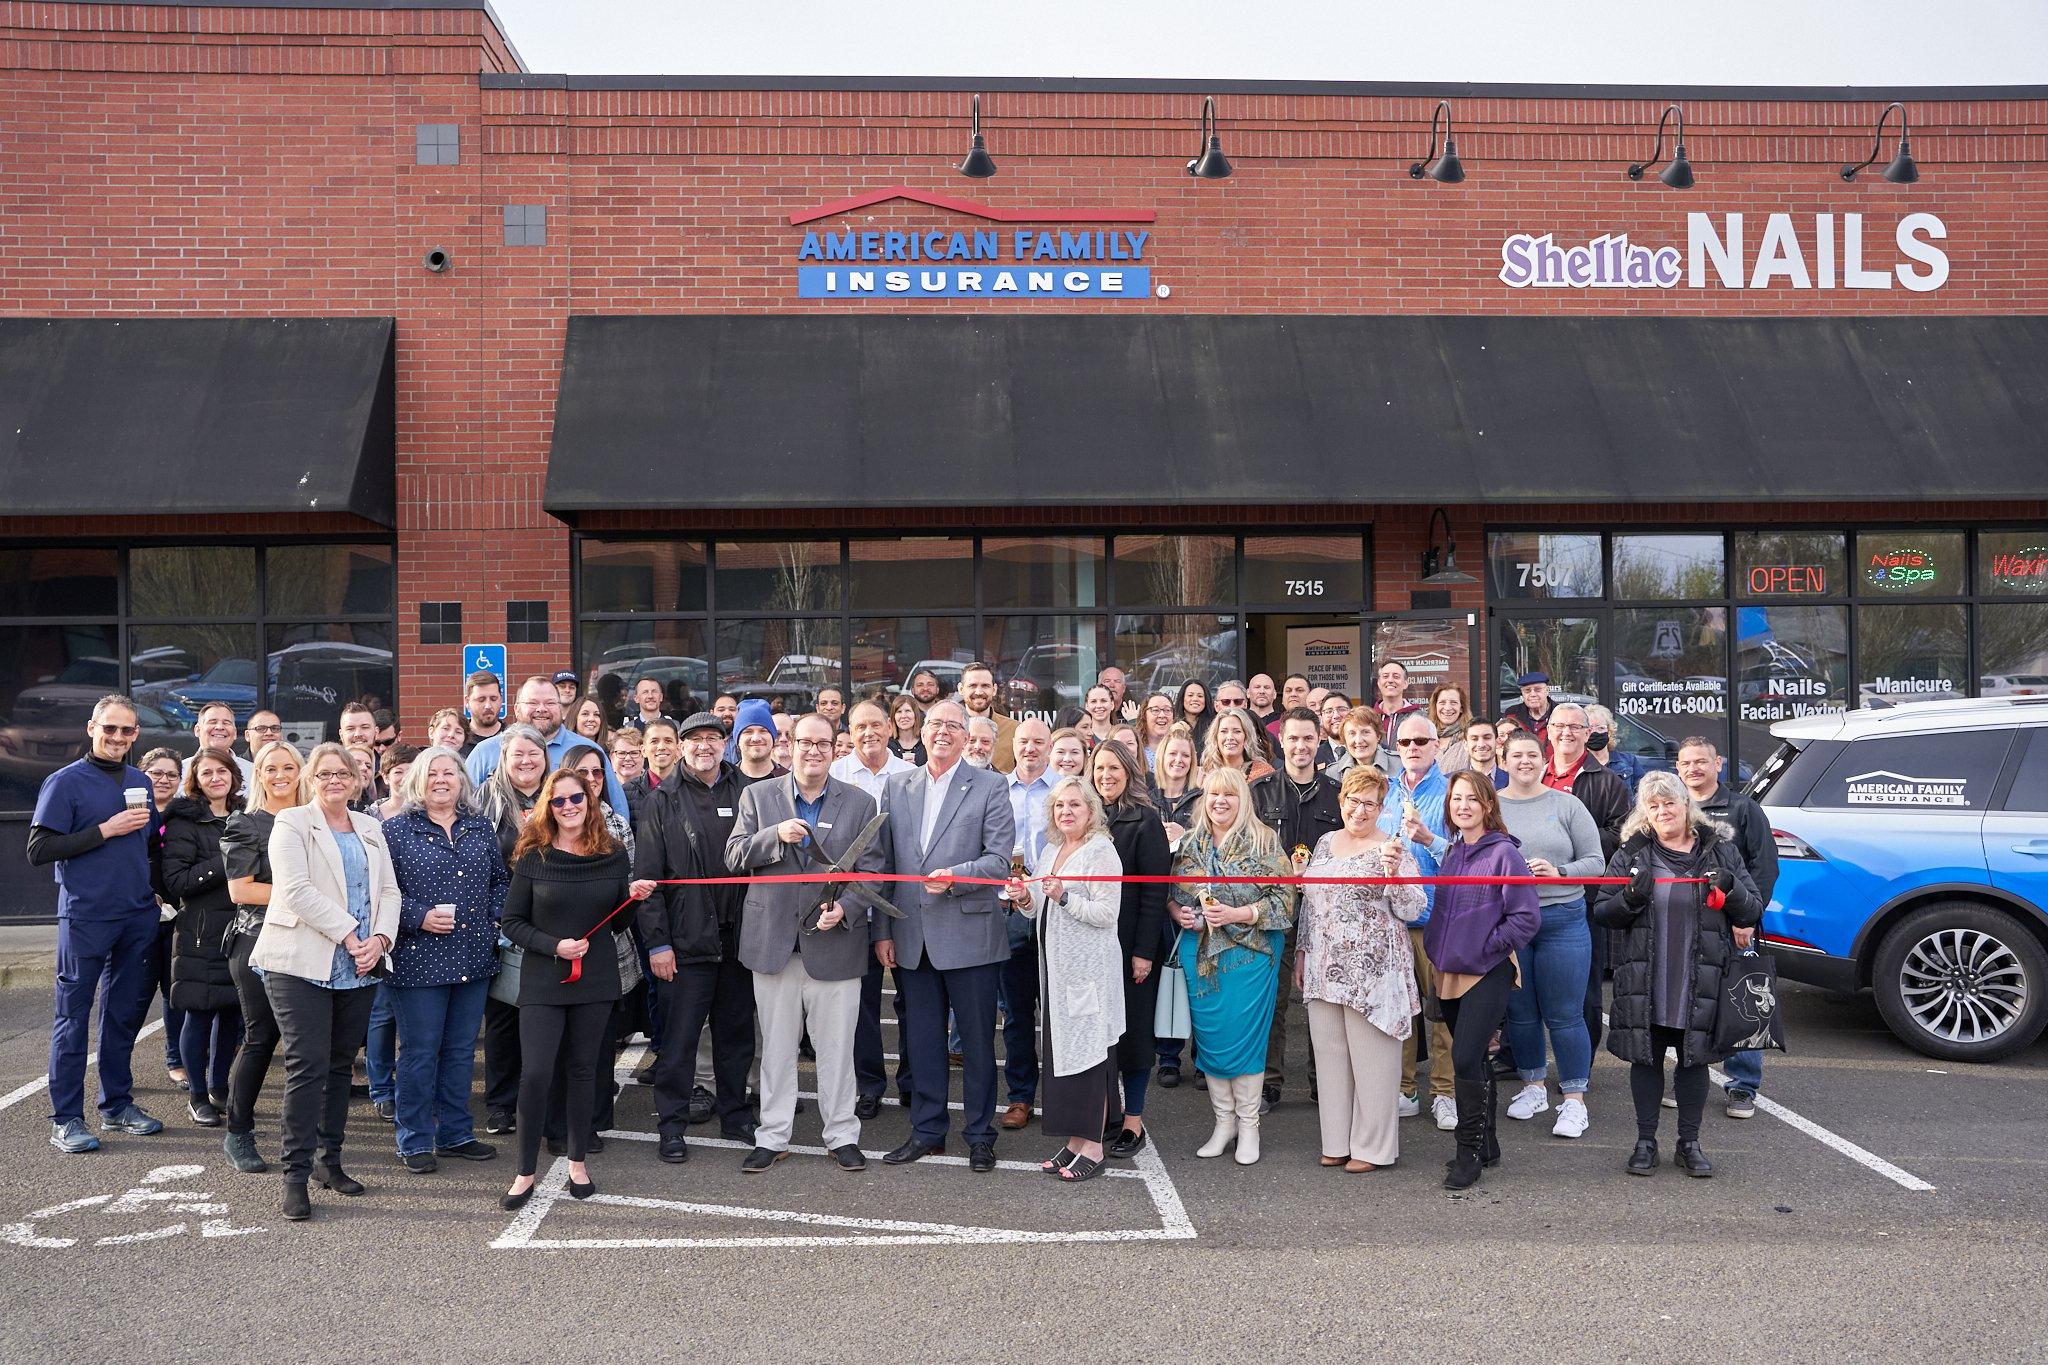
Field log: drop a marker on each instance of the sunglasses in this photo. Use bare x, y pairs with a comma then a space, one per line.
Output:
1413, 743
566, 801
1232, 701
115, 731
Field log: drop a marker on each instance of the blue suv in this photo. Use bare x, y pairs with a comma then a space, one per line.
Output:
1913, 860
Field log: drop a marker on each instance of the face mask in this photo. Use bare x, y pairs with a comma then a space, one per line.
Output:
1596, 741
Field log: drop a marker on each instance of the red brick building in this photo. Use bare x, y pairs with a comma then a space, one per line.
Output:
1781, 449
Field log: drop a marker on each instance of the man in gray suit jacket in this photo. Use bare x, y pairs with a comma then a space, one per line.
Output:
804, 979
948, 820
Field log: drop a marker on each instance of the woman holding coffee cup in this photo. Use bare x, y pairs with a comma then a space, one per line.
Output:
451, 884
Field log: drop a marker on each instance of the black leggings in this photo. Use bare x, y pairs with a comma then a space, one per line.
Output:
1646, 1087
1474, 1017
579, 1031
259, 1038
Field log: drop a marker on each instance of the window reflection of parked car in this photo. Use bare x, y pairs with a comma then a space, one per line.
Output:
1164, 670
947, 671
2013, 684
1045, 674
318, 677
232, 681
685, 680
45, 729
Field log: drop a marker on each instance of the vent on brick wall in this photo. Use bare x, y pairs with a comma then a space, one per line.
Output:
526, 225
437, 144
526, 623
440, 623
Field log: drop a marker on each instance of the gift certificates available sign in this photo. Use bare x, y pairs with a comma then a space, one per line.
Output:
1097, 254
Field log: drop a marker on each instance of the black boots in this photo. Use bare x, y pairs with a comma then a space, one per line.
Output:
1690, 1159
1478, 1145
1643, 1160
297, 1207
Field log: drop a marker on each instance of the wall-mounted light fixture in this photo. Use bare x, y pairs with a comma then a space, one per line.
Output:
1445, 169
1441, 567
1678, 175
1209, 162
1903, 170
979, 165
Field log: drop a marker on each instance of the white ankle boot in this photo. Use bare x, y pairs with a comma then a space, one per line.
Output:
1222, 1101
1246, 1091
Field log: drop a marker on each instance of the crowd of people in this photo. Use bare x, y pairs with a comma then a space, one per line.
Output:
553, 881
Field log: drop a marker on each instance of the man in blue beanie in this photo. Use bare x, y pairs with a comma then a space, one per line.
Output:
752, 745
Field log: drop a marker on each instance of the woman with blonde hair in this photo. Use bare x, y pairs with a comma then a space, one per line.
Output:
1230, 950
245, 849
1234, 743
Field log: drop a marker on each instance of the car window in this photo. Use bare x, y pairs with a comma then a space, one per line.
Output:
2030, 785
1950, 771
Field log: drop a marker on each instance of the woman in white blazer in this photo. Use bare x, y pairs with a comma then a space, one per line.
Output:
333, 916
1080, 976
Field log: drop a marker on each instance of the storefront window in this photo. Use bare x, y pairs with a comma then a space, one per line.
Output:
1796, 564
1565, 647
328, 580
618, 654
1909, 564
194, 665
886, 650
1304, 573
1916, 653
315, 670
1043, 663
1434, 650
779, 575
1160, 653
2012, 563
915, 571
59, 581
1789, 662
655, 575
50, 676
2012, 649
192, 580
1173, 571
785, 660
1667, 568
1670, 673
1543, 565
1056, 571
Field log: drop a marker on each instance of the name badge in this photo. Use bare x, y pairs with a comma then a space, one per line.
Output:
824, 824
725, 812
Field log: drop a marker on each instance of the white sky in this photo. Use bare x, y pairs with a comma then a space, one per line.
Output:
1609, 42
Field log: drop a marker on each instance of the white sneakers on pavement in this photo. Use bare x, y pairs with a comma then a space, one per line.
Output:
1407, 1107
1444, 1110
1528, 1102
1571, 1119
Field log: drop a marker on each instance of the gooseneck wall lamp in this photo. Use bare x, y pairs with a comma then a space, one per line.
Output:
1441, 567
1678, 175
1209, 162
1903, 170
1445, 169
979, 165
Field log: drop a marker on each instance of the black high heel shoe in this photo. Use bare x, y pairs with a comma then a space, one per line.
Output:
511, 1203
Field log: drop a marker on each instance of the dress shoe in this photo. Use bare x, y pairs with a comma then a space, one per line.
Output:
1689, 1158
297, 1207
912, 1150
500, 1121
387, 1110
1643, 1160
760, 1159
1169, 1075
850, 1157
421, 1163
471, 1150
1127, 1143
132, 1121
703, 1104
203, 1113
738, 1132
673, 1149
179, 1076
513, 1202
219, 1098
981, 1157
582, 1189
643, 1074
1016, 1116
1357, 1167
1327, 1160
336, 1179
867, 1106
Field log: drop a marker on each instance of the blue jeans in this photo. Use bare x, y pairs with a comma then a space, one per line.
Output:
1552, 998
1745, 1073
115, 961
437, 1027
380, 1045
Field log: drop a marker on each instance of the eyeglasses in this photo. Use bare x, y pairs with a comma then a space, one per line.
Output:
1413, 742
816, 743
266, 729
1360, 803
162, 774
592, 774
333, 776
114, 731
1563, 729
946, 725
566, 800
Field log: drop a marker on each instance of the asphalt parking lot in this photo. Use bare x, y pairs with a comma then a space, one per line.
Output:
1796, 1249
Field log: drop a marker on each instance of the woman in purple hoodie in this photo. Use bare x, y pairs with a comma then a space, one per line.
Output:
1472, 938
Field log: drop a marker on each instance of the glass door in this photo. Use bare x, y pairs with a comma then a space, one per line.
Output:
1433, 647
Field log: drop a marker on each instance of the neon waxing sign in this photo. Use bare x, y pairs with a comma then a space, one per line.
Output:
1827, 255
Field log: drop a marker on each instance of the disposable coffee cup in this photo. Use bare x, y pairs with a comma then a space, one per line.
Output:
136, 797
449, 906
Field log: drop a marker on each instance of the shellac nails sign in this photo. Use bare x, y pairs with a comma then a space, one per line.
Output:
1820, 253
1093, 259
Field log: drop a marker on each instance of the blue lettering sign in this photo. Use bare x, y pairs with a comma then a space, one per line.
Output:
946, 282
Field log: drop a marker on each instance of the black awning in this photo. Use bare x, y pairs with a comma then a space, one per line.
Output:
860, 410
112, 416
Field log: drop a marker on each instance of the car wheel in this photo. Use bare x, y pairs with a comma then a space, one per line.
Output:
1961, 981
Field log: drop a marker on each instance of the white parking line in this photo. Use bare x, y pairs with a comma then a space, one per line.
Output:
36, 1086
1861, 1156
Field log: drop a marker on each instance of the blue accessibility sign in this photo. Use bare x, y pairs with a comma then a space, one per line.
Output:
485, 659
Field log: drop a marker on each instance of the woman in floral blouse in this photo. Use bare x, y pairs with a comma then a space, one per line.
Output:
1357, 974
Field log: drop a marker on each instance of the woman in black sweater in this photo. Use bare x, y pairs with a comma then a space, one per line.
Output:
195, 879
245, 847
1140, 839
568, 873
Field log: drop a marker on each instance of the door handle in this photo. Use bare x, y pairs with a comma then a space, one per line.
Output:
2037, 847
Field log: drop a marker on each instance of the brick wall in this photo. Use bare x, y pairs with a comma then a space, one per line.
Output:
195, 161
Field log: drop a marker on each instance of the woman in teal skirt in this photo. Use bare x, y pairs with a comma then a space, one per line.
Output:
1230, 952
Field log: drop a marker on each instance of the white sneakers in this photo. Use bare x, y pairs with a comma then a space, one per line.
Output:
1444, 1110
1528, 1102
1407, 1107
1571, 1119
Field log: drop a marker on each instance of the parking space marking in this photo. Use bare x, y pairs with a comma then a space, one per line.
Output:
1861, 1156
20, 1093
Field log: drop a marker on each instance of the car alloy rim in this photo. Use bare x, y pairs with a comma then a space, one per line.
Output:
1963, 985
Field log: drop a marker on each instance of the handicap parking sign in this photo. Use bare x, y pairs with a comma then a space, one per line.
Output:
485, 659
